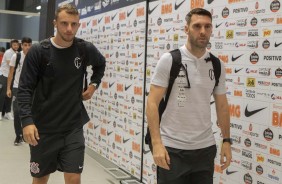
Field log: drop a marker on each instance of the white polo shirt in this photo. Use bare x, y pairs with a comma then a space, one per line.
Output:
186, 121
19, 68
4, 69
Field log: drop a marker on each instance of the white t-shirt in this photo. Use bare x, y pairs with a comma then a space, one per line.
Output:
4, 69
186, 121
19, 68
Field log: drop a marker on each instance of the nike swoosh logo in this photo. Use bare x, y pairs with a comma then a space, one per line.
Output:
80, 167
212, 102
146, 152
217, 25
88, 22
95, 127
147, 93
210, 1
167, 30
230, 172
125, 140
127, 87
151, 11
235, 58
177, 6
236, 71
140, 54
214, 132
137, 133
277, 45
111, 54
113, 17
111, 84
250, 113
129, 13
109, 133
99, 20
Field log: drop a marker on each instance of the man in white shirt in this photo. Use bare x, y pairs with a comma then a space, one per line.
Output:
4, 70
16, 64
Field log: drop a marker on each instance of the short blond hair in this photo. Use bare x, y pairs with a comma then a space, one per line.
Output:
69, 8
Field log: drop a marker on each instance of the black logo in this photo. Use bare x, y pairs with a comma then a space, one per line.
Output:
99, 20
238, 70
217, 25
95, 127
113, 17
109, 133
151, 11
167, 30
230, 172
235, 58
125, 140
127, 87
212, 102
111, 84
137, 133
177, 6
129, 13
277, 44
146, 151
250, 113
140, 54
210, 1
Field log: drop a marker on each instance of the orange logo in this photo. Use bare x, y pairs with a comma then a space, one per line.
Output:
234, 111
197, 4
94, 22
103, 131
140, 12
117, 138
166, 9
274, 151
120, 87
260, 158
276, 119
122, 16
217, 168
107, 19
266, 32
228, 70
223, 58
279, 21
83, 25
136, 147
138, 91
238, 93
90, 125
105, 85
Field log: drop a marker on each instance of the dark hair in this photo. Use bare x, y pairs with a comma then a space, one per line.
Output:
26, 40
197, 11
14, 41
69, 8
2, 49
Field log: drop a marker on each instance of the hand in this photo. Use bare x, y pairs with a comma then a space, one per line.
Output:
161, 157
30, 134
9, 93
86, 95
225, 156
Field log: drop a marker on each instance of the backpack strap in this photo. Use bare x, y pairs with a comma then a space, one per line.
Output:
216, 67
45, 54
174, 71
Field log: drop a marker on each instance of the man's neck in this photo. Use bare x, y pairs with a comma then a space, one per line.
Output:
197, 52
58, 41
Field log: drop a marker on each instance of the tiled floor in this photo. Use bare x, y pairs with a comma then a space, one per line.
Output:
14, 163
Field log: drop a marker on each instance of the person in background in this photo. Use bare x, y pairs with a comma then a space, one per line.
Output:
2, 51
183, 144
4, 70
53, 122
13, 78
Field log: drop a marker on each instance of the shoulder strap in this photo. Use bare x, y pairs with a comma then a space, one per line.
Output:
174, 71
216, 67
18, 58
45, 54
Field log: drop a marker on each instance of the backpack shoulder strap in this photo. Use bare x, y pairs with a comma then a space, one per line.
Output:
18, 58
45, 54
174, 71
216, 67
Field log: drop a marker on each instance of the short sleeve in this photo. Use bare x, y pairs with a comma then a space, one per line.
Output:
13, 60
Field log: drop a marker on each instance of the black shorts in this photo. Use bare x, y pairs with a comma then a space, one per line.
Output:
61, 151
188, 167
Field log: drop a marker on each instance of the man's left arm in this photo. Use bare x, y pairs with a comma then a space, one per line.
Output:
223, 118
98, 63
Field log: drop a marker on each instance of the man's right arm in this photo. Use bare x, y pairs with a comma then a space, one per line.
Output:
160, 154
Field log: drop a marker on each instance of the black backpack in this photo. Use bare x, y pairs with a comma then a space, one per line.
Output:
174, 71
45, 55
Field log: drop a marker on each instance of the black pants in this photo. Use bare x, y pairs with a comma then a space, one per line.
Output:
188, 167
5, 102
17, 121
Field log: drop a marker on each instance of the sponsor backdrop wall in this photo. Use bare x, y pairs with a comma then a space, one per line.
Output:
247, 37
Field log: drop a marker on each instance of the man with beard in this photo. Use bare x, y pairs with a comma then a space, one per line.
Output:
5, 102
183, 145
50, 99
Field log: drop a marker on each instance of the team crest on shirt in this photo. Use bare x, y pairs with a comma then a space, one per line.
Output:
34, 167
77, 62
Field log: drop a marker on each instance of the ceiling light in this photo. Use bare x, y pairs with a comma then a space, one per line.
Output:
38, 7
